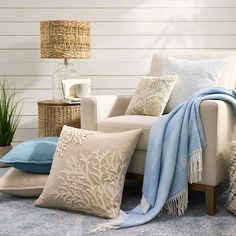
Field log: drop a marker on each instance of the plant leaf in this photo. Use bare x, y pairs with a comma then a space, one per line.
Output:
10, 116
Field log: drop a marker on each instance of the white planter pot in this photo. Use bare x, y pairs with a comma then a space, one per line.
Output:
4, 151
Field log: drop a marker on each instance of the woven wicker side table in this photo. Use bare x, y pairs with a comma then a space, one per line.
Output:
54, 114
231, 205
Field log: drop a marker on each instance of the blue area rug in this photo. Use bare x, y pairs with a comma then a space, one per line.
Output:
18, 217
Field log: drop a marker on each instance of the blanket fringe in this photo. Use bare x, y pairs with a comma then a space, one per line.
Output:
195, 167
101, 228
176, 205
110, 224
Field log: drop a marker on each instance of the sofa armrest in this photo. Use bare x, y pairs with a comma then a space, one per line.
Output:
97, 108
219, 124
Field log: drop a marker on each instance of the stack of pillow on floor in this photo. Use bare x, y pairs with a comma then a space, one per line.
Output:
31, 162
85, 170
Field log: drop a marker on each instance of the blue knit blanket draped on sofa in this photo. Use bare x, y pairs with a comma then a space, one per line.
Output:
174, 158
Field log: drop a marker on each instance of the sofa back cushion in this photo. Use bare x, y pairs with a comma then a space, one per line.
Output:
227, 75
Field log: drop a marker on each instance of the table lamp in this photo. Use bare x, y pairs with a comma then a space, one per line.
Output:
67, 39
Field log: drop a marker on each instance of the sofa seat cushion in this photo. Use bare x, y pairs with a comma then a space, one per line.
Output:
129, 122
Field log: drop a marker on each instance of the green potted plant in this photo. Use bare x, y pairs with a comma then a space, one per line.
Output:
10, 115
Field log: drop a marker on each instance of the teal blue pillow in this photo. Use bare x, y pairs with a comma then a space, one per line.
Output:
34, 155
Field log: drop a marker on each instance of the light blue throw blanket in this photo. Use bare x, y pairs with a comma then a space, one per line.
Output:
174, 157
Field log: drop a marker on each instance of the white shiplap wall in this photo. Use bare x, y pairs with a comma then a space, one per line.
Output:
124, 36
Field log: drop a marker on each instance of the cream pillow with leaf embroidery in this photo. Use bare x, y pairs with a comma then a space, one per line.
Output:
151, 96
88, 171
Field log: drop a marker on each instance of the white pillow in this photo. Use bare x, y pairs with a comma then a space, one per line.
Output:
193, 75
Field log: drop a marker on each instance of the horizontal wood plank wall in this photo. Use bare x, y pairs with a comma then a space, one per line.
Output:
124, 36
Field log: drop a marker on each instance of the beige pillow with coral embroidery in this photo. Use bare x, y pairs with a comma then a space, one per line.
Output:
88, 171
151, 96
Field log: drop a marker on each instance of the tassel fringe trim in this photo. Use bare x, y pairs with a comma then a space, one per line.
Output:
176, 205
195, 167
110, 224
101, 228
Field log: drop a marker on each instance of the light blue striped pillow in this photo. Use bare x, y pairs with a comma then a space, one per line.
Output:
193, 75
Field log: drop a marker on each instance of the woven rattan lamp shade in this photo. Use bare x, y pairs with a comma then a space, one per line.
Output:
65, 39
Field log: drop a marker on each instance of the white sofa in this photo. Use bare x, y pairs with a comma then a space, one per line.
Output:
106, 113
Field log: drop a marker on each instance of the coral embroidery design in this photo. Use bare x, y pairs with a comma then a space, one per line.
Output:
93, 183
70, 134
